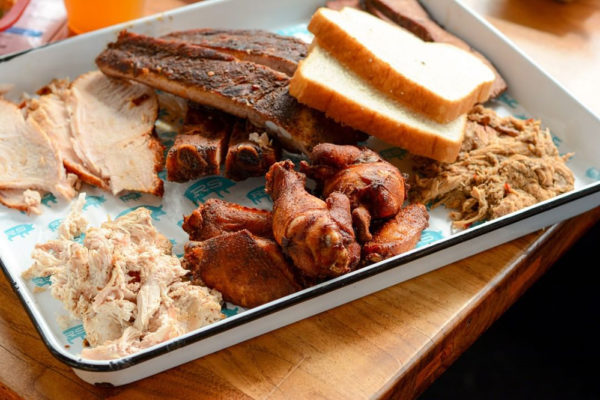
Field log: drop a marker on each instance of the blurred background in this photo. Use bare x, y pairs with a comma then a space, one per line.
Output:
544, 346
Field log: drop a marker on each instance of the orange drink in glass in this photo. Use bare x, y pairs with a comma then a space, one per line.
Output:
88, 15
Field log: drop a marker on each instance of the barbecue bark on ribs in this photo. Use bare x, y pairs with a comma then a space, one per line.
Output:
216, 217
398, 235
281, 53
219, 80
249, 153
375, 187
201, 146
317, 235
410, 15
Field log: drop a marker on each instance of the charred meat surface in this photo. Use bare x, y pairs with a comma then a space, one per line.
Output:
216, 217
278, 52
244, 89
317, 235
248, 270
250, 152
200, 148
398, 235
375, 187
410, 15
504, 164
28, 158
112, 123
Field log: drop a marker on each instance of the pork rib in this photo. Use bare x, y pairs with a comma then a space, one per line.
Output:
201, 146
281, 53
219, 80
250, 152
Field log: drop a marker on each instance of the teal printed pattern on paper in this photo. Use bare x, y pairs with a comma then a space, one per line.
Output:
229, 312
593, 173
53, 226
295, 30
130, 196
156, 212
49, 198
258, 195
73, 333
79, 239
93, 201
41, 281
429, 236
393, 152
556, 140
19, 230
204, 187
180, 223
162, 175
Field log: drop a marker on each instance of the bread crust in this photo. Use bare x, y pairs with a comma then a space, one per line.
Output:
354, 55
358, 116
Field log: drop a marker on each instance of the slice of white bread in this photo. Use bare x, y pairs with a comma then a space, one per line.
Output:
323, 83
439, 80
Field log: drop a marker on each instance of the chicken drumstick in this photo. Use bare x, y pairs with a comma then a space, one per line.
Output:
316, 234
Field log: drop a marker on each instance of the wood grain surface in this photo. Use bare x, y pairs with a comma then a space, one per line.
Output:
393, 343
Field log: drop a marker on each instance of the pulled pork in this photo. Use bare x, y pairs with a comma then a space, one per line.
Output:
505, 164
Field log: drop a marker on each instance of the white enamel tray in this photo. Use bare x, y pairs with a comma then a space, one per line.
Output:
532, 93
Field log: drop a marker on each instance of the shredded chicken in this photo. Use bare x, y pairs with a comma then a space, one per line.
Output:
505, 164
123, 283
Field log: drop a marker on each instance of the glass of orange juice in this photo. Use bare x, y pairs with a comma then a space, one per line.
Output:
88, 15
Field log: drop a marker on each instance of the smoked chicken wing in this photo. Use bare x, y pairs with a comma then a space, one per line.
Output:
246, 269
316, 234
216, 217
398, 235
375, 187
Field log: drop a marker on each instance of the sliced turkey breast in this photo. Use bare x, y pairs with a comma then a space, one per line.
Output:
112, 124
28, 158
49, 112
23, 200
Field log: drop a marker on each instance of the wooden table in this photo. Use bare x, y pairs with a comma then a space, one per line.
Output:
392, 343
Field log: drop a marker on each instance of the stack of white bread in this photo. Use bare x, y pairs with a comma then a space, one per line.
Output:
379, 78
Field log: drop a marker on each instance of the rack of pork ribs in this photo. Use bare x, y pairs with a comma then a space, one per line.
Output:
236, 84
356, 216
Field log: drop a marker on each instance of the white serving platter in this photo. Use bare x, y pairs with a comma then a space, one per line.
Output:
532, 93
